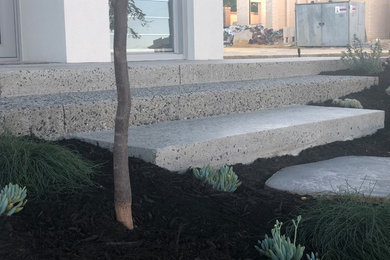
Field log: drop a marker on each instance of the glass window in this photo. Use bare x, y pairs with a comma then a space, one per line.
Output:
157, 34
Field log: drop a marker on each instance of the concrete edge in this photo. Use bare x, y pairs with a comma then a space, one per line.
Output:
168, 162
56, 119
61, 78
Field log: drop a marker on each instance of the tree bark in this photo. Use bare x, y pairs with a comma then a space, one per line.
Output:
122, 185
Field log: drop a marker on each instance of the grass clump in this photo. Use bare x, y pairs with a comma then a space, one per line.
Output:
224, 179
362, 62
348, 102
43, 167
347, 227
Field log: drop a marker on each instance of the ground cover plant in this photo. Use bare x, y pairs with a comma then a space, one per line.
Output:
43, 167
347, 227
12, 199
280, 247
349, 103
362, 62
176, 216
223, 179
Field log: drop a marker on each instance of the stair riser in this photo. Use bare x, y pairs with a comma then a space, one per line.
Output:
92, 116
46, 123
50, 79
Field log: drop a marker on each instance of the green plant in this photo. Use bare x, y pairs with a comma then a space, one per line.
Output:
43, 167
312, 256
347, 227
12, 199
351, 103
224, 179
363, 62
280, 247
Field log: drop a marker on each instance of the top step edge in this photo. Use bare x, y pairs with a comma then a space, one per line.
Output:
105, 65
62, 78
185, 89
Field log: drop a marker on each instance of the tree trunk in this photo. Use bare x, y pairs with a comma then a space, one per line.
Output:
121, 166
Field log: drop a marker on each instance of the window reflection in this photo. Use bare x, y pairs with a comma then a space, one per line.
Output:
157, 34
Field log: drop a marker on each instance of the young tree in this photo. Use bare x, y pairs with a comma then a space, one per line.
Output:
122, 187
134, 13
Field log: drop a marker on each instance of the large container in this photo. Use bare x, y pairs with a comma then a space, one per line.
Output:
329, 24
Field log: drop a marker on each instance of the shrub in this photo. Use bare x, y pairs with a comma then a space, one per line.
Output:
223, 179
347, 227
362, 62
281, 248
351, 103
43, 167
12, 199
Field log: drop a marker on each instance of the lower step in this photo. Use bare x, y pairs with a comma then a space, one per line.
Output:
241, 138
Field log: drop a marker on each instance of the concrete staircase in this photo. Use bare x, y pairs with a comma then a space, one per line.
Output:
230, 104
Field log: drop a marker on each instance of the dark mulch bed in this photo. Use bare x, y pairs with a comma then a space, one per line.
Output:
176, 216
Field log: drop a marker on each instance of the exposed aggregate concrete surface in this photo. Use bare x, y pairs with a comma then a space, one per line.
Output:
243, 137
40, 79
55, 115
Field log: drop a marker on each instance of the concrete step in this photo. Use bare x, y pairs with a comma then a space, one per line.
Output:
241, 138
41, 79
52, 116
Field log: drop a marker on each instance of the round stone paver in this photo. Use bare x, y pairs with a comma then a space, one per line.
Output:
388, 91
367, 175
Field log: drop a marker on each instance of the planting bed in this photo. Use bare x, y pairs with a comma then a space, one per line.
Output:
176, 216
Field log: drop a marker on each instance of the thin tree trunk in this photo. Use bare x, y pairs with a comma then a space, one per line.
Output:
121, 166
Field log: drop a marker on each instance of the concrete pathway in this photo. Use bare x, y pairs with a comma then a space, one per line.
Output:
251, 51
364, 174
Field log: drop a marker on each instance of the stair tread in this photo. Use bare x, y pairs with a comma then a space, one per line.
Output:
35, 79
56, 100
218, 134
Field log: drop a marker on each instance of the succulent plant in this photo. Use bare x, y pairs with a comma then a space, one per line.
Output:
280, 247
223, 179
312, 256
203, 173
3, 204
12, 199
351, 103
227, 180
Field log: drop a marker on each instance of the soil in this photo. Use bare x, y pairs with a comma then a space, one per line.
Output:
176, 217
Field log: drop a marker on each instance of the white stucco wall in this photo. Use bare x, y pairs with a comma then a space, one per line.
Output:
204, 30
42, 33
87, 30
64, 31
78, 30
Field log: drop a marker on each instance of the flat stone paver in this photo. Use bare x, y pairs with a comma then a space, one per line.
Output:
368, 175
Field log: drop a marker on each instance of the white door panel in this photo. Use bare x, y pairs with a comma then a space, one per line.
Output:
8, 48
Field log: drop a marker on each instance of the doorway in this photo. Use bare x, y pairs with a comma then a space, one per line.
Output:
8, 29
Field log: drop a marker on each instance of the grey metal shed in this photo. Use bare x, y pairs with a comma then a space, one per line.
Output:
329, 24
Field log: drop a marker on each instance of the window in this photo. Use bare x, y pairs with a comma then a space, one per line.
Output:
159, 35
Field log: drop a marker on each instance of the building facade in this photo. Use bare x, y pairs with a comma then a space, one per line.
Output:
72, 31
278, 14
